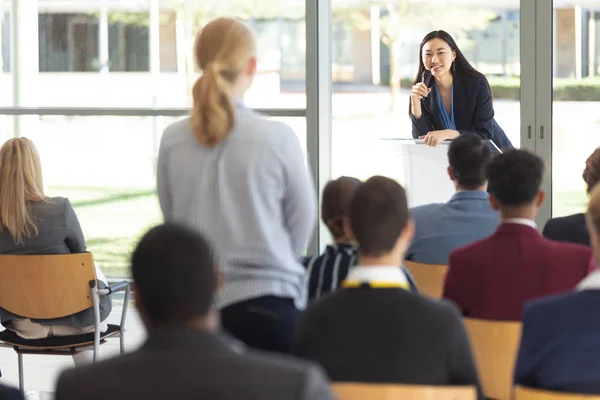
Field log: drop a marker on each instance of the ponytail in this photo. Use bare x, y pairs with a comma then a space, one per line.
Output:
213, 113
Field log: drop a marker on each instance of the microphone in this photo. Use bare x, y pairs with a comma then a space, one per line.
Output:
426, 78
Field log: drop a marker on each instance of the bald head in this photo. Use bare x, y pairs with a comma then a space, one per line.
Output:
592, 217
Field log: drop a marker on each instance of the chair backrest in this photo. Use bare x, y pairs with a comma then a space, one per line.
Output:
46, 286
429, 277
523, 393
495, 345
369, 391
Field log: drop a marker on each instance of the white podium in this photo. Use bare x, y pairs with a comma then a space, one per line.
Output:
424, 169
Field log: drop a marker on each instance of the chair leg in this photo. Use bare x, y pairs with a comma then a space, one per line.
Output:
21, 385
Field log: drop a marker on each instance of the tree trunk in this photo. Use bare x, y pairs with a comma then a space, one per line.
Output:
394, 73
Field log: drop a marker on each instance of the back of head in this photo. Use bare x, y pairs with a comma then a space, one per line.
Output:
515, 177
378, 215
222, 50
174, 271
20, 184
336, 203
591, 173
469, 157
592, 218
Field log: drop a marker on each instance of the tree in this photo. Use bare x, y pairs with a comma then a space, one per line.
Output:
399, 19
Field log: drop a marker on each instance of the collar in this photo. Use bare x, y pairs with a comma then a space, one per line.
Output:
377, 276
590, 282
470, 195
521, 221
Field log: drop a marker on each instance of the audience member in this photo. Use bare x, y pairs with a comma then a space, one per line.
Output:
374, 329
562, 333
241, 179
32, 223
467, 217
494, 277
572, 228
326, 271
185, 356
8, 393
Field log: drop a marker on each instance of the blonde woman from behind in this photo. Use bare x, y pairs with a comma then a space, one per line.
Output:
240, 179
32, 223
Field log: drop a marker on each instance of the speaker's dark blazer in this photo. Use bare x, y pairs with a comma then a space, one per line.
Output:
568, 229
473, 111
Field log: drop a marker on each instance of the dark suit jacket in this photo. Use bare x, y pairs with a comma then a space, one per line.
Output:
568, 229
473, 111
559, 344
179, 364
8, 393
386, 335
494, 277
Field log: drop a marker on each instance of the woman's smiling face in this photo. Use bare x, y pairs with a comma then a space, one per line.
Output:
438, 56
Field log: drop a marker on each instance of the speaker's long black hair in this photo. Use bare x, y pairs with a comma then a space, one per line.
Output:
460, 66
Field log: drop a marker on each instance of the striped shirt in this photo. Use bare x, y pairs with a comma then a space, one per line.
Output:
327, 271
251, 196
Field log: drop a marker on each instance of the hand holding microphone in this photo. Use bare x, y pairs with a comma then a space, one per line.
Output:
423, 88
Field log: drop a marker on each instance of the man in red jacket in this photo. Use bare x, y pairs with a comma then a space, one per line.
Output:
494, 277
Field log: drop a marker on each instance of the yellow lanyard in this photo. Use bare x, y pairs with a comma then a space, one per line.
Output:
353, 284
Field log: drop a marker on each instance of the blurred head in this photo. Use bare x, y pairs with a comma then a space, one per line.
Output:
514, 182
225, 51
591, 173
379, 217
335, 207
440, 55
20, 184
592, 218
175, 276
468, 158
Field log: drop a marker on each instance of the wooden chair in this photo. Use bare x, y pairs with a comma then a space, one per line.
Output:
429, 277
523, 393
55, 286
495, 345
369, 391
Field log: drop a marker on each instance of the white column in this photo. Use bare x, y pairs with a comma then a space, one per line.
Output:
103, 39
578, 42
375, 45
1, 24
154, 47
24, 57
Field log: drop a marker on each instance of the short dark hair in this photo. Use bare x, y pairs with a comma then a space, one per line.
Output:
378, 215
469, 157
174, 270
336, 203
515, 177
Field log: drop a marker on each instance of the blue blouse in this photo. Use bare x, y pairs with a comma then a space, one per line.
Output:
447, 120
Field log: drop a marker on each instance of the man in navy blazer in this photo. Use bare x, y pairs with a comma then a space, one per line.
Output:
561, 334
494, 277
467, 217
473, 111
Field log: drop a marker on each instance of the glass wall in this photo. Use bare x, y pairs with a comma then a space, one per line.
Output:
576, 92
375, 55
97, 56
